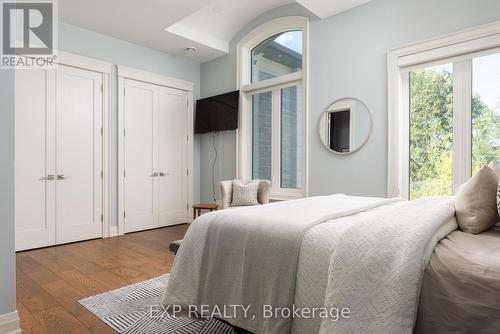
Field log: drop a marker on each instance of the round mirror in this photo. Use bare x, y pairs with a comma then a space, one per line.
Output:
344, 127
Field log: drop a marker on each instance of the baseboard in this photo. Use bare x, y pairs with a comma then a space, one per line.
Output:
113, 231
9, 323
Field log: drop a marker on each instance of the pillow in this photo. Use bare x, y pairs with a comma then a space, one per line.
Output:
493, 165
475, 203
245, 193
498, 199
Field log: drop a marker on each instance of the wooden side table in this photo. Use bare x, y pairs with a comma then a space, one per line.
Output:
197, 209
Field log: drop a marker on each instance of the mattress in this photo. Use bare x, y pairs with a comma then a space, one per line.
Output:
461, 286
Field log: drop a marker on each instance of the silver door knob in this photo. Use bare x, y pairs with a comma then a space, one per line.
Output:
49, 177
164, 174
155, 174
61, 177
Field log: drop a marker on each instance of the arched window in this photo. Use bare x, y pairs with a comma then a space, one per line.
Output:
272, 140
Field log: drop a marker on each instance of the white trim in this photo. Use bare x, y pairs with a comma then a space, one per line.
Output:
459, 48
10, 323
462, 122
160, 80
106, 232
121, 156
244, 133
265, 85
113, 231
86, 63
154, 78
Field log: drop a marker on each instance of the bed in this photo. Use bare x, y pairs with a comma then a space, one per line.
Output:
461, 285
367, 255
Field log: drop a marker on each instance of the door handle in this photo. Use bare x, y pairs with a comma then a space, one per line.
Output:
61, 177
155, 174
164, 174
49, 177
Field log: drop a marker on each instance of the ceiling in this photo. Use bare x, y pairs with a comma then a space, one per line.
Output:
172, 25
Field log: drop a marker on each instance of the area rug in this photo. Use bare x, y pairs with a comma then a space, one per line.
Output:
129, 310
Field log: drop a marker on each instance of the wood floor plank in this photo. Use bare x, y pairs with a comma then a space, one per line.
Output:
94, 324
51, 281
29, 324
57, 320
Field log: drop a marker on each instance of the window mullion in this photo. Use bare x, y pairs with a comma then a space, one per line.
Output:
276, 142
462, 122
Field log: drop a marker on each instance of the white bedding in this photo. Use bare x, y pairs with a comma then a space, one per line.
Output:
314, 261
328, 245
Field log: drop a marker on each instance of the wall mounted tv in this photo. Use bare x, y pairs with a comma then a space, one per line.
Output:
217, 113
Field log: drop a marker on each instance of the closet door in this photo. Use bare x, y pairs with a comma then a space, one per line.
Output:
78, 155
140, 156
34, 158
172, 156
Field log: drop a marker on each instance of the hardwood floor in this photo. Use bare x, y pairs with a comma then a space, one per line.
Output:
50, 281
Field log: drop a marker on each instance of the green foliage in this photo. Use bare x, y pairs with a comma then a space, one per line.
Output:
431, 133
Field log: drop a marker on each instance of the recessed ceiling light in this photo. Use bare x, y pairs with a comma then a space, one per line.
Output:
190, 49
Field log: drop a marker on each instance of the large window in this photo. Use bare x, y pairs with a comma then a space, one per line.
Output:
272, 138
444, 117
431, 131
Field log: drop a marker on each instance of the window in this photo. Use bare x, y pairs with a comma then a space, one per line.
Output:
485, 110
444, 112
431, 131
278, 55
272, 137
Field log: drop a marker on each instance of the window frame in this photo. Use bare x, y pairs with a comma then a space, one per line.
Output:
247, 89
459, 49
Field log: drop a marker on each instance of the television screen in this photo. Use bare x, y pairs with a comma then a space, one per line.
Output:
217, 113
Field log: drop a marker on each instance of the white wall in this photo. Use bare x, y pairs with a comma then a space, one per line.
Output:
348, 58
88, 43
7, 258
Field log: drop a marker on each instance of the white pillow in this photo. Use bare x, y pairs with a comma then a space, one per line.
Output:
245, 193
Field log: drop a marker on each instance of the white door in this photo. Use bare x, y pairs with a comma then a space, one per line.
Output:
78, 155
140, 156
35, 158
172, 156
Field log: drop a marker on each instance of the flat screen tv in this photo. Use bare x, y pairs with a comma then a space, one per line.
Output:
217, 113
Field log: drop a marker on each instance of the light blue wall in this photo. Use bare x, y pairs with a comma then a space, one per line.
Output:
7, 259
87, 43
348, 55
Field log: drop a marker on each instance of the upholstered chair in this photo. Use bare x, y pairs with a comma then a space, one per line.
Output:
226, 192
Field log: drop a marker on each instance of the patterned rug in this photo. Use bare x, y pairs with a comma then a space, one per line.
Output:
128, 310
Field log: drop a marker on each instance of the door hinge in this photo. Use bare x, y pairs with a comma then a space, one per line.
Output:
102, 174
102, 89
124, 215
102, 217
123, 132
123, 173
187, 103
187, 206
123, 90
102, 130
187, 172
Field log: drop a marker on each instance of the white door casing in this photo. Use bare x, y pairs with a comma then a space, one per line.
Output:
172, 146
79, 155
35, 158
172, 156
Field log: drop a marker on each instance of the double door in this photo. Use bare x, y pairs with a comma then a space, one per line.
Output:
58, 160
155, 156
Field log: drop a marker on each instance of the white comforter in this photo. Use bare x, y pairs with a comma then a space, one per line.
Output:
380, 253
